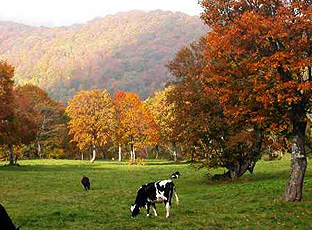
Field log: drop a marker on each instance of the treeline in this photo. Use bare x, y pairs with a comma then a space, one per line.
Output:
94, 124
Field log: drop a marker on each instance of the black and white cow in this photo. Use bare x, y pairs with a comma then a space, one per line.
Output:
154, 192
175, 175
5, 221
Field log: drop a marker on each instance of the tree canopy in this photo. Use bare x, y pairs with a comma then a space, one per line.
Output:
92, 119
260, 69
136, 125
6, 105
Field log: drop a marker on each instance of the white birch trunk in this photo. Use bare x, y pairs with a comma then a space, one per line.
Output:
119, 153
93, 154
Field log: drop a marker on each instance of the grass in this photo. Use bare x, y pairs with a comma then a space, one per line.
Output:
47, 194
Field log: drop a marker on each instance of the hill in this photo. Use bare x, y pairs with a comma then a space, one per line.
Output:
126, 51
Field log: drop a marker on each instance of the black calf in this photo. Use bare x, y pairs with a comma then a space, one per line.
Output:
86, 183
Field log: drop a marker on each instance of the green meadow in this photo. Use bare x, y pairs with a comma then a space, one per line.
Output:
47, 194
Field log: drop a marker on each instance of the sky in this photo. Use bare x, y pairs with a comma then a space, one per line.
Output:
55, 13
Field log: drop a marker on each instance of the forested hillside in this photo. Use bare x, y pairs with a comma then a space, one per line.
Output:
127, 51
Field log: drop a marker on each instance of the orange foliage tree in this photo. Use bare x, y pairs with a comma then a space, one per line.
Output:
198, 122
193, 119
42, 119
21, 112
260, 57
92, 119
135, 124
7, 119
164, 113
25, 115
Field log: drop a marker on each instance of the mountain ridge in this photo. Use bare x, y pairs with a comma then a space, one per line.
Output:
125, 51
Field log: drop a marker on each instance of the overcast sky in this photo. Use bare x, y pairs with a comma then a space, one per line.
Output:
67, 12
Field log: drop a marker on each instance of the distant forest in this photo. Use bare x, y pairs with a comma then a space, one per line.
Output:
127, 51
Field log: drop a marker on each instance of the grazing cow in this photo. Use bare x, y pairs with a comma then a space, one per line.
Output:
175, 175
154, 192
5, 221
86, 183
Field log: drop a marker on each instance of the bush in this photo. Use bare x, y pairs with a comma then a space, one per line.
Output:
58, 154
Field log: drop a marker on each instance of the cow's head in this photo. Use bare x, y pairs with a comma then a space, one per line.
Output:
134, 209
140, 201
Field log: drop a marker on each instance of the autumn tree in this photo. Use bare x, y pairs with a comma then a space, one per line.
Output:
7, 119
187, 98
46, 115
199, 122
259, 55
25, 120
165, 117
135, 124
92, 119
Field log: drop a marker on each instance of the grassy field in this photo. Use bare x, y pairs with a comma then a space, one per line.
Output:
47, 194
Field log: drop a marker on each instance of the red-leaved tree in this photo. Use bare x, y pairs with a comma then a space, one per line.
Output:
260, 57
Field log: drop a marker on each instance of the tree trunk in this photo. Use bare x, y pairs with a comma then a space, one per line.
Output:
298, 162
238, 169
119, 153
15, 160
93, 154
174, 150
39, 149
157, 151
11, 154
146, 151
82, 156
192, 157
105, 153
133, 153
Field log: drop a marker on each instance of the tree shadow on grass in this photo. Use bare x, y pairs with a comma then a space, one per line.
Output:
254, 178
167, 162
275, 175
49, 168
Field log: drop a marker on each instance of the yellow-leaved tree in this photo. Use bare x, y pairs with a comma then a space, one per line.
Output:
164, 116
135, 123
92, 119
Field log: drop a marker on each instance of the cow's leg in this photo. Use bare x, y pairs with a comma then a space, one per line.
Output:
154, 209
167, 205
147, 206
